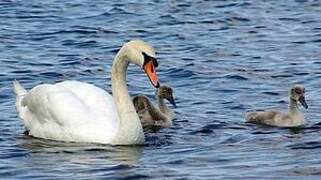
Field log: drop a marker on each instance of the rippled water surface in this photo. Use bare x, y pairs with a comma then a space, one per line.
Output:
222, 58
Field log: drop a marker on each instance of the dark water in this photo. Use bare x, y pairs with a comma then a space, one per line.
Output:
222, 58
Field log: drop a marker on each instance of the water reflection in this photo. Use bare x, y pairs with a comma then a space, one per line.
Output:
222, 58
80, 153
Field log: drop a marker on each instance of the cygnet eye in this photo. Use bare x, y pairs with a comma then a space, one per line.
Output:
298, 91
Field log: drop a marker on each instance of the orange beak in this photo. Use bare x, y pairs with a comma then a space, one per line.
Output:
150, 70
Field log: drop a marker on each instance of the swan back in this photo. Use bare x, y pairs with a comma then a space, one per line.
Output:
70, 111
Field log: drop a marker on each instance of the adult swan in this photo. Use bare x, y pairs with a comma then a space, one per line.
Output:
74, 111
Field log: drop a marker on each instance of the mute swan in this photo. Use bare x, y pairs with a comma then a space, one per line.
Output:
276, 118
149, 114
74, 111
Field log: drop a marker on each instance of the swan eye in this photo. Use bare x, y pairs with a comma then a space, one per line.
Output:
148, 58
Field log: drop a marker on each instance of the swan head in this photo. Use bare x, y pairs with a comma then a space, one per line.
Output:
297, 93
166, 92
143, 55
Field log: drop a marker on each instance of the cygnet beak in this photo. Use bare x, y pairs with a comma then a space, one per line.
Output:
172, 101
302, 101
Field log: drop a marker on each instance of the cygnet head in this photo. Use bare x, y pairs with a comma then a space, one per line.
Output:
297, 93
140, 102
143, 54
166, 92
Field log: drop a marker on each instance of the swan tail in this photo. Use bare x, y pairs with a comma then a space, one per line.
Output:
20, 93
23, 111
18, 89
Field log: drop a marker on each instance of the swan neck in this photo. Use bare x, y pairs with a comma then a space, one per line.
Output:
293, 107
162, 105
130, 129
296, 116
155, 113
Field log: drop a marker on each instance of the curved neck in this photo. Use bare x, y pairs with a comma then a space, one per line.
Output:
293, 107
294, 112
130, 130
296, 116
166, 113
162, 105
154, 112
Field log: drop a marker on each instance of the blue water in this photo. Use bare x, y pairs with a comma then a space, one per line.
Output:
222, 58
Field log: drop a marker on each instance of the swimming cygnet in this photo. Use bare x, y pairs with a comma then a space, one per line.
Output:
151, 115
276, 118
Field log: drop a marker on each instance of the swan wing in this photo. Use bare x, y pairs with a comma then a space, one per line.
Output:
70, 111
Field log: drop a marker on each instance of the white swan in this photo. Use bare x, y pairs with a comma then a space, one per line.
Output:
74, 111
276, 118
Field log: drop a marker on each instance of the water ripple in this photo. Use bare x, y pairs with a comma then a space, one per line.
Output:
222, 58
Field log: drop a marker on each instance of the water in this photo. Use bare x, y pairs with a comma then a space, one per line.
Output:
222, 58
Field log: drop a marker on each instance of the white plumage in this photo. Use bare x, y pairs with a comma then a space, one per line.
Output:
69, 111
74, 111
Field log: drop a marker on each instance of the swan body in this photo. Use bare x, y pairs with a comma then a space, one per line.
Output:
293, 118
74, 111
69, 111
151, 115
